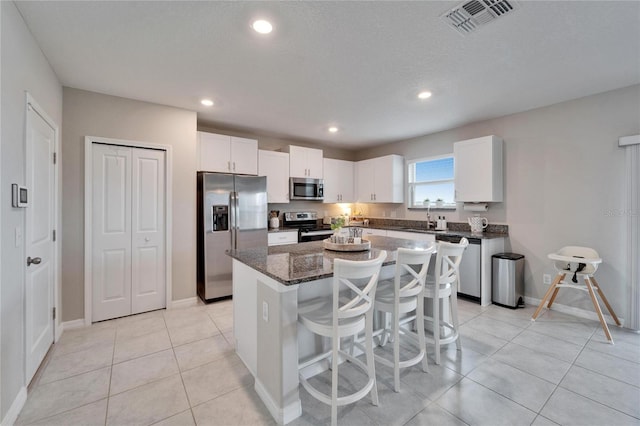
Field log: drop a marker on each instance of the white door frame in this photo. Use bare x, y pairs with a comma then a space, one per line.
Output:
31, 103
88, 214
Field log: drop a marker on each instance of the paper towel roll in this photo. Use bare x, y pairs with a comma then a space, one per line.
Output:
476, 207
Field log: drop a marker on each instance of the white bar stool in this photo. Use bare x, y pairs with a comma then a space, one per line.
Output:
445, 285
402, 295
343, 315
581, 262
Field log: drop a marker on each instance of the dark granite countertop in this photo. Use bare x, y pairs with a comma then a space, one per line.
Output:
449, 232
298, 263
460, 229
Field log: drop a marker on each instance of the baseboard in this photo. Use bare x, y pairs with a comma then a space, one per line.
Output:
59, 328
281, 415
12, 415
183, 303
571, 310
73, 324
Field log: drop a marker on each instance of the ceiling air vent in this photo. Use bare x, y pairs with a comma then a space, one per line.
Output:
469, 16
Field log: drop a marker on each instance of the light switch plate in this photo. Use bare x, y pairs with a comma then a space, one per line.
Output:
546, 279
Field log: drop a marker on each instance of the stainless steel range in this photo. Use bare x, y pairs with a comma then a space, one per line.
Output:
308, 227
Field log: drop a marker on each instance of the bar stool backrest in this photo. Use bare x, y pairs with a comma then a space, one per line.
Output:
448, 261
413, 262
345, 272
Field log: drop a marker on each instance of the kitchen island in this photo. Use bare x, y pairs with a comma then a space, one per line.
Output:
268, 285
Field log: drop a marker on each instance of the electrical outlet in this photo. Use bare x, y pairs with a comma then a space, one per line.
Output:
265, 311
546, 279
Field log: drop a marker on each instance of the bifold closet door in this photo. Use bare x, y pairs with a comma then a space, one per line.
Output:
148, 285
128, 213
111, 239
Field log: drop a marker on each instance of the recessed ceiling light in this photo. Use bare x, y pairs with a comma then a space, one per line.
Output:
333, 129
261, 26
207, 102
424, 95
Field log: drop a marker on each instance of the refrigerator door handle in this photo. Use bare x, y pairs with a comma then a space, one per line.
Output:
237, 218
232, 219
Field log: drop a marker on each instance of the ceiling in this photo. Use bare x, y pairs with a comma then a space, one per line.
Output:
356, 65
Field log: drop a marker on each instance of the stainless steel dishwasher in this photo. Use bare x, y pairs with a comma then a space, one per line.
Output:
469, 266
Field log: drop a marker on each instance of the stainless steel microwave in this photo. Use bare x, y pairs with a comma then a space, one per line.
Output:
306, 189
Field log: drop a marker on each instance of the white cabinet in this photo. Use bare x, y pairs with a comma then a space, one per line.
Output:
380, 180
275, 166
305, 162
372, 231
227, 154
417, 236
478, 170
338, 181
282, 238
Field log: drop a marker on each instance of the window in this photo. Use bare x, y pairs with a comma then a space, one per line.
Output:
432, 179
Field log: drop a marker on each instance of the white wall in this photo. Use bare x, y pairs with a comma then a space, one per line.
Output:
564, 184
94, 114
24, 68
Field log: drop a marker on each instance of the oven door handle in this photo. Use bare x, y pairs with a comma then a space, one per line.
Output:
314, 233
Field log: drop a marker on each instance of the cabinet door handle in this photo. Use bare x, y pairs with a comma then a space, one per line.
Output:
234, 166
229, 165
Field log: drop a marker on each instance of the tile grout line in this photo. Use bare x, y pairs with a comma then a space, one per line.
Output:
565, 375
184, 387
517, 368
593, 371
113, 354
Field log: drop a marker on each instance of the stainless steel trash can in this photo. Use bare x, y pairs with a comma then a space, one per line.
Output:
508, 279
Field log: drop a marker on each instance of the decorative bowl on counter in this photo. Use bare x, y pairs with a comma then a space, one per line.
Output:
363, 246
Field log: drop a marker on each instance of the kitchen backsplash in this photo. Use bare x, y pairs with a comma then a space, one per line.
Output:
422, 224
374, 211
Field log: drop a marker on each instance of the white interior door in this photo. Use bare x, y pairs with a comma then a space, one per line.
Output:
128, 231
111, 235
39, 246
148, 256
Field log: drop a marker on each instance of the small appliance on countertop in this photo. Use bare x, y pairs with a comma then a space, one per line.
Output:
478, 224
274, 220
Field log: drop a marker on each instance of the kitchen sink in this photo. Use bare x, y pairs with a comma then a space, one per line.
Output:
421, 230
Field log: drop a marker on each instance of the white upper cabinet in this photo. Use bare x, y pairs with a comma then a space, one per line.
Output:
227, 154
305, 162
275, 166
478, 170
338, 181
380, 180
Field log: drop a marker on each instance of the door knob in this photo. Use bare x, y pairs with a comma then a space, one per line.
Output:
147, 239
35, 261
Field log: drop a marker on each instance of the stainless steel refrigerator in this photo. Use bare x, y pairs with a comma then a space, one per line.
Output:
232, 214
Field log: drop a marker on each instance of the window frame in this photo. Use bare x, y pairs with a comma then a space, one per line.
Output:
411, 183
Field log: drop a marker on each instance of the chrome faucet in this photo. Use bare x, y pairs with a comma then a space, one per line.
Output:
429, 223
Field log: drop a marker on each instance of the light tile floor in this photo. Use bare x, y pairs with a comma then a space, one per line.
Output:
178, 367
